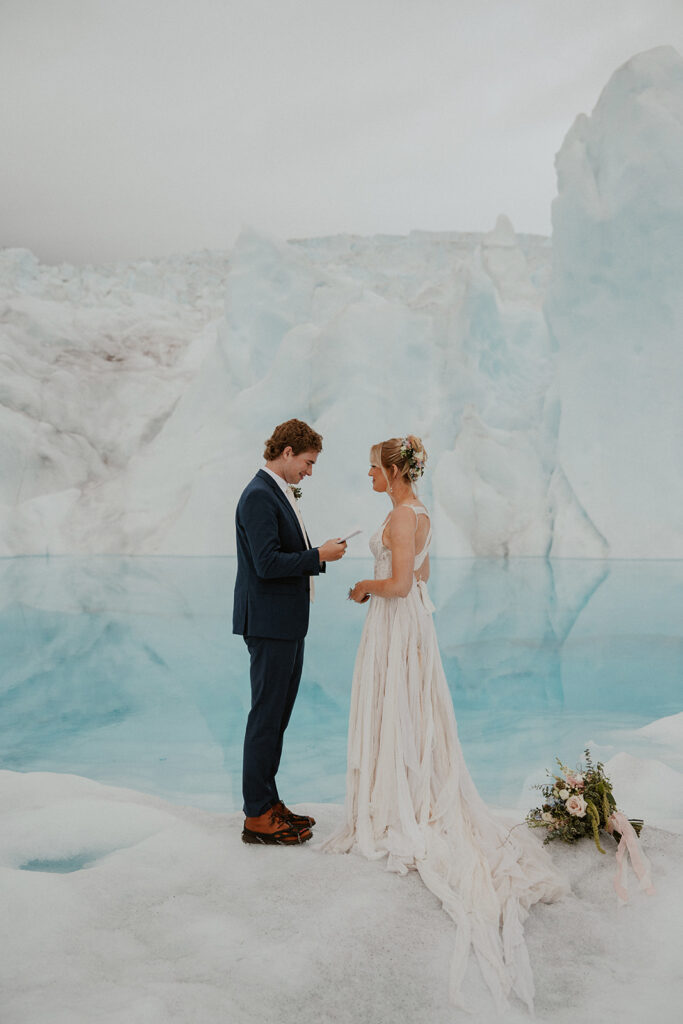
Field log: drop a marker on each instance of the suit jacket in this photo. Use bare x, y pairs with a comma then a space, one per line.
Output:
272, 596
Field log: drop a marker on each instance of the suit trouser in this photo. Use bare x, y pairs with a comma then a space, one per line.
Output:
275, 673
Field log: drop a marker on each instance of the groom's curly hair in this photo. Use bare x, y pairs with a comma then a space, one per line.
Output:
294, 434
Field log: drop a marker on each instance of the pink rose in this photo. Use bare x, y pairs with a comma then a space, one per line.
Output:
576, 805
575, 781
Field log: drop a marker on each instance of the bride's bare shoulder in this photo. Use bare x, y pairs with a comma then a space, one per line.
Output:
402, 521
409, 512
402, 514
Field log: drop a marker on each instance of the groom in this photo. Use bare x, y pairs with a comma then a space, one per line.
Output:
273, 591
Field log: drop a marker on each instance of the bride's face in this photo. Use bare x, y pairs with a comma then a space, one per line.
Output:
379, 481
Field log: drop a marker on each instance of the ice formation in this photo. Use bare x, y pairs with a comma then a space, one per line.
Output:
615, 308
136, 434
133, 407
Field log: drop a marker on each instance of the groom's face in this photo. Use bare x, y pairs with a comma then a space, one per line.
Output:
296, 467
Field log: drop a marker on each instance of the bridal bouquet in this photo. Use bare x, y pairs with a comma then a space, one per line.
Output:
580, 803
576, 804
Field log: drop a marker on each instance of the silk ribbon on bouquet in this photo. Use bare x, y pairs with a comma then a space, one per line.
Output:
618, 822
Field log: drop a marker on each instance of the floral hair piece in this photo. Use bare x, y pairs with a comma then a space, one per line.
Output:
416, 459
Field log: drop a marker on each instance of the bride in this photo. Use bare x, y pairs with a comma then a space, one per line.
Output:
409, 795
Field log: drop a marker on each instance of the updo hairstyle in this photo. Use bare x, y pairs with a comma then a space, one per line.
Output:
294, 434
406, 453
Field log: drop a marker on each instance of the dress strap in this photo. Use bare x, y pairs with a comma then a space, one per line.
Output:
419, 558
419, 510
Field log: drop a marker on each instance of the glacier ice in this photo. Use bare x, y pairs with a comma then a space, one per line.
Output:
615, 307
545, 379
136, 434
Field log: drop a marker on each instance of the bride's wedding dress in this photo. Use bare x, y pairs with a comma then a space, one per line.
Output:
410, 798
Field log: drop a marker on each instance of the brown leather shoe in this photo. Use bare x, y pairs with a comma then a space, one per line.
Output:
273, 829
298, 820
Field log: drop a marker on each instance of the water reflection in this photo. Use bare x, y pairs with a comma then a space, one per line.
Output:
126, 670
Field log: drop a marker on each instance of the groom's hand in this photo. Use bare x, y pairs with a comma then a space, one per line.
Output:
332, 550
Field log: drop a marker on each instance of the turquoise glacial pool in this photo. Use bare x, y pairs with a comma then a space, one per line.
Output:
125, 670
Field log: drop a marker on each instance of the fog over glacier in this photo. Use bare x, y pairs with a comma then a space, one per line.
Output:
544, 376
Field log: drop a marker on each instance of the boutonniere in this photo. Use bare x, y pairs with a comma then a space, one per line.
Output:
296, 491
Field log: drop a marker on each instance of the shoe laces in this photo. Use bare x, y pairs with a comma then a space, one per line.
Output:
279, 817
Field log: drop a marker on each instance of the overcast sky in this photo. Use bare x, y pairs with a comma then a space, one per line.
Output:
144, 127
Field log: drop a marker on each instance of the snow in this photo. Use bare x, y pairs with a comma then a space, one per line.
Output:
667, 730
164, 915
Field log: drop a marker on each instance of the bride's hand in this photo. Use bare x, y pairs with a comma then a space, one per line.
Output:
358, 593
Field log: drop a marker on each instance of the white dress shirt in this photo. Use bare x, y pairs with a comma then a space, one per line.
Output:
287, 491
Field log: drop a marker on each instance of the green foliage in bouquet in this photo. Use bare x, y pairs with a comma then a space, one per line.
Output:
576, 803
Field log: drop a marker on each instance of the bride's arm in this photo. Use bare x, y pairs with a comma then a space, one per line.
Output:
402, 531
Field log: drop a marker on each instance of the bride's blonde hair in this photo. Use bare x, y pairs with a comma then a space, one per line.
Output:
406, 453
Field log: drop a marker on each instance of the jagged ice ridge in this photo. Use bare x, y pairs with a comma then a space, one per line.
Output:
134, 399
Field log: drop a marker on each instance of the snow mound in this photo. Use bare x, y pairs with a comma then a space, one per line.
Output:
183, 922
667, 730
647, 789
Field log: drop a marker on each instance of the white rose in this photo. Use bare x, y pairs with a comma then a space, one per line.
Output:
563, 794
576, 805
547, 816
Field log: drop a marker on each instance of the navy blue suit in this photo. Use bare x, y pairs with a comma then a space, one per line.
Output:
270, 610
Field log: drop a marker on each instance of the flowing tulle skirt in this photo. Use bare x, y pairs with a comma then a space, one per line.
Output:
410, 798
